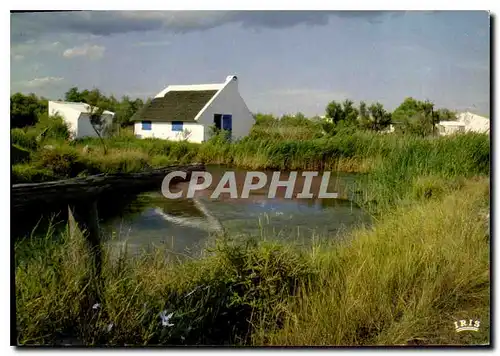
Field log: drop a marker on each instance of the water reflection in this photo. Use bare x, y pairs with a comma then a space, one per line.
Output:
186, 225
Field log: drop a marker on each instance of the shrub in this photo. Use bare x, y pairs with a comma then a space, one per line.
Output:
53, 127
63, 161
24, 139
27, 173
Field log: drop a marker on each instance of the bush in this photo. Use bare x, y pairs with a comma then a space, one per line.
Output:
53, 127
27, 173
63, 161
24, 139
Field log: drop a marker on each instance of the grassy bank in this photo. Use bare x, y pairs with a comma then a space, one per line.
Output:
424, 265
348, 152
406, 281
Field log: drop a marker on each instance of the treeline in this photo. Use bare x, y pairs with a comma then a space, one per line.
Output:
28, 110
411, 116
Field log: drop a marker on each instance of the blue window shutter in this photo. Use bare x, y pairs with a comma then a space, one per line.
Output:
146, 125
227, 122
177, 125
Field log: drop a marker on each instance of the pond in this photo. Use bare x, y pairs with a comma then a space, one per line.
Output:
186, 226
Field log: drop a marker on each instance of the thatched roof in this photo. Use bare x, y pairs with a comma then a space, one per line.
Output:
176, 105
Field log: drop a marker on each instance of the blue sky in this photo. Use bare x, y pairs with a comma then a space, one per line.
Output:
285, 61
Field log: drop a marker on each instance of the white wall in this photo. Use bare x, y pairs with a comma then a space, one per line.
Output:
78, 122
69, 116
228, 101
474, 123
449, 128
164, 130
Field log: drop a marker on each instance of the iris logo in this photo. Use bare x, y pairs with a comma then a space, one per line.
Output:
464, 325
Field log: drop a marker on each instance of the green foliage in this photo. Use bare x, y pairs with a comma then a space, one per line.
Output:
52, 127
446, 115
62, 161
18, 154
216, 301
25, 109
391, 180
416, 117
389, 284
342, 113
392, 283
124, 110
218, 136
74, 96
28, 173
264, 119
23, 138
374, 118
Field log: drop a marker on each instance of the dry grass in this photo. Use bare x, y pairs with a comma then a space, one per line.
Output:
407, 281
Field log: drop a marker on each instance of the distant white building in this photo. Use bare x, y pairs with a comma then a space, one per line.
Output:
186, 112
466, 122
450, 127
474, 122
388, 129
77, 118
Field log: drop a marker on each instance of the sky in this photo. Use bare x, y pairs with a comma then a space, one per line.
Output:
286, 62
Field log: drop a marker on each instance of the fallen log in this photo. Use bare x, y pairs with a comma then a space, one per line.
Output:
90, 188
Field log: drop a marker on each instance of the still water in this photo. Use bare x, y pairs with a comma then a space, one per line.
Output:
186, 226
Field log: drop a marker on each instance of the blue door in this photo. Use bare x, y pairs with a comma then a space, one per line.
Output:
227, 122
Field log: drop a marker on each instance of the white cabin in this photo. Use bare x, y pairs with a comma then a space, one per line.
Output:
187, 112
77, 118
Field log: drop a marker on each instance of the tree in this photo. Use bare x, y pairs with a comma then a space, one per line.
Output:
73, 95
364, 114
95, 112
335, 112
446, 115
350, 112
375, 117
126, 109
26, 109
342, 116
416, 117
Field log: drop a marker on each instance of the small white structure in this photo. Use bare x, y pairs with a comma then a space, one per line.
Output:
474, 123
76, 116
450, 127
388, 129
466, 122
186, 112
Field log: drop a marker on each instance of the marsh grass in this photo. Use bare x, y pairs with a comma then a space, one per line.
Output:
421, 268
348, 152
214, 299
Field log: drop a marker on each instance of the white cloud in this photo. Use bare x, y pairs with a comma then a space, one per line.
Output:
41, 82
86, 50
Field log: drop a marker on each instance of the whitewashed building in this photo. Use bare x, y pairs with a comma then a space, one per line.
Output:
77, 118
466, 122
450, 127
187, 112
474, 123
